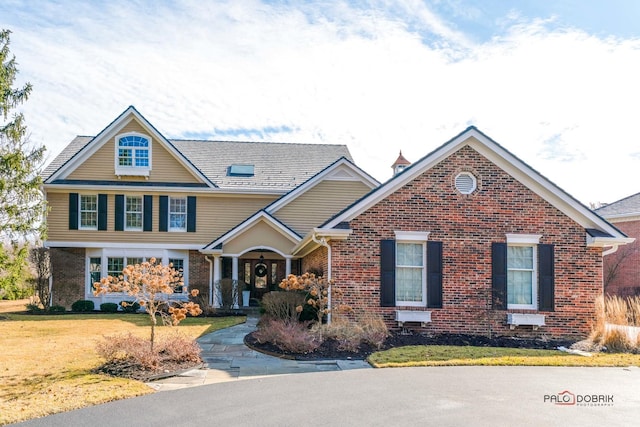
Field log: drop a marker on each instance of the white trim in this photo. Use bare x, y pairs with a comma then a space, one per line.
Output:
249, 222
161, 189
126, 226
423, 302
420, 236
257, 248
534, 279
501, 158
186, 215
110, 132
92, 245
523, 239
80, 196
132, 170
329, 174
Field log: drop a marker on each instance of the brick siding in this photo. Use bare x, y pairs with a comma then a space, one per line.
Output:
627, 280
199, 270
467, 225
68, 270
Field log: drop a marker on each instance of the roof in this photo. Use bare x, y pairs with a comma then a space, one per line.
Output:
277, 167
503, 159
401, 160
629, 206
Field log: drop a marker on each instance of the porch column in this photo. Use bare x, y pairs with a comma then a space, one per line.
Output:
234, 276
287, 268
217, 274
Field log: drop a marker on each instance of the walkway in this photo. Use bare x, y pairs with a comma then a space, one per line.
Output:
228, 359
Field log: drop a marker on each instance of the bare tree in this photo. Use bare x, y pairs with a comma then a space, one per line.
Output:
41, 264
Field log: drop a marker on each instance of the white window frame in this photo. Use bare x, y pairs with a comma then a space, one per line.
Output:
532, 241
178, 229
80, 211
133, 170
413, 237
162, 254
184, 262
127, 227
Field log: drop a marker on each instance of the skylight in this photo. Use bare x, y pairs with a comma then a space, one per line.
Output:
240, 170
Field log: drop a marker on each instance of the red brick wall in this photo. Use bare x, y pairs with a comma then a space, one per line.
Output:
316, 261
68, 265
467, 224
627, 280
199, 274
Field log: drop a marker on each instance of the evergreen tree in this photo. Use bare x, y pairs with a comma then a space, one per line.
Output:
22, 205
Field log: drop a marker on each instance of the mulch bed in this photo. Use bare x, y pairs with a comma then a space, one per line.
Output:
127, 369
329, 348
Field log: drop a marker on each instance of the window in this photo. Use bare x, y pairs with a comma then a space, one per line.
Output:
521, 277
133, 213
178, 214
410, 274
115, 266
88, 212
134, 260
178, 265
240, 170
95, 271
133, 154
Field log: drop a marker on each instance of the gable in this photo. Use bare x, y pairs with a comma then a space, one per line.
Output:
505, 161
260, 234
99, 161
165, 167
319, 203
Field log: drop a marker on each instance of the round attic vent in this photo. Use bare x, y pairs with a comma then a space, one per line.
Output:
466, 183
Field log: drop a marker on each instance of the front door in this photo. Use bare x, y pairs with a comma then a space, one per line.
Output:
262, 276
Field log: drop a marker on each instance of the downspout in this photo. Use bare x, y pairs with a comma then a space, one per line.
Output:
613, 249
323, 242
210, 280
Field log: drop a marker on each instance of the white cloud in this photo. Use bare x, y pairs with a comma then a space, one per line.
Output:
388, 77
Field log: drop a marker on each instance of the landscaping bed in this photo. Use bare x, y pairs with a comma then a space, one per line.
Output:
329, 349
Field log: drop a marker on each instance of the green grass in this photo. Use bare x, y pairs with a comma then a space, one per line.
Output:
441, 355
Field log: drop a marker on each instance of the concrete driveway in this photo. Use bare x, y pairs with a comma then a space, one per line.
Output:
444, 396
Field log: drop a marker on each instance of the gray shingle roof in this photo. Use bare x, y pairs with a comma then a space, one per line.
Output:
277, 166
627, 206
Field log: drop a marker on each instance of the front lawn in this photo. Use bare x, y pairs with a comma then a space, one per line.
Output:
444, 355
46, 360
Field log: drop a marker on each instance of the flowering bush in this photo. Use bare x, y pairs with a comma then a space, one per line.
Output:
149, 284
318, 291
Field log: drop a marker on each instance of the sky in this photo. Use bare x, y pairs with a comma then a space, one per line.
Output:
554, 82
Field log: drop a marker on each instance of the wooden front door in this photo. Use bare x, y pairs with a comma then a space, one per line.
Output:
262, 276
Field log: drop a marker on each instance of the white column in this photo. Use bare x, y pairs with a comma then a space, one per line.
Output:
217, 274
234, 276
287, 268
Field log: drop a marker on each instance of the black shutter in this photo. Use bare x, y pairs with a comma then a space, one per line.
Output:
147, 206
119, 212
163, 216
191, 214
499, 275
434, 274
73, 211
102, 212
545, 279
387, 273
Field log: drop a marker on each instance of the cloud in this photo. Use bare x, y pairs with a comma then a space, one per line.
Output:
378, 77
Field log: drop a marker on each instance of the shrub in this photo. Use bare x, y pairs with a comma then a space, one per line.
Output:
282, 305
83, 305
109, 307
35, 308
131, 356
347, 334
130, 306
616, 340
374, 330
56, 309
288, 335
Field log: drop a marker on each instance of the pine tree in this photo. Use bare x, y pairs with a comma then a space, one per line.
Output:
22, 205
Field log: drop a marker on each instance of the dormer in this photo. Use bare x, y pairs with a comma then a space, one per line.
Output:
400, 164
132, 154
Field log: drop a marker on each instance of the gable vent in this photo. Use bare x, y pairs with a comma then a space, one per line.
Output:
465, 183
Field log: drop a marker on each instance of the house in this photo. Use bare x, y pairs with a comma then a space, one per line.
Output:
213, 209
469, 239
622, 268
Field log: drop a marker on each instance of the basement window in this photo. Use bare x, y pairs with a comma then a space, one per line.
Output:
240, 170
